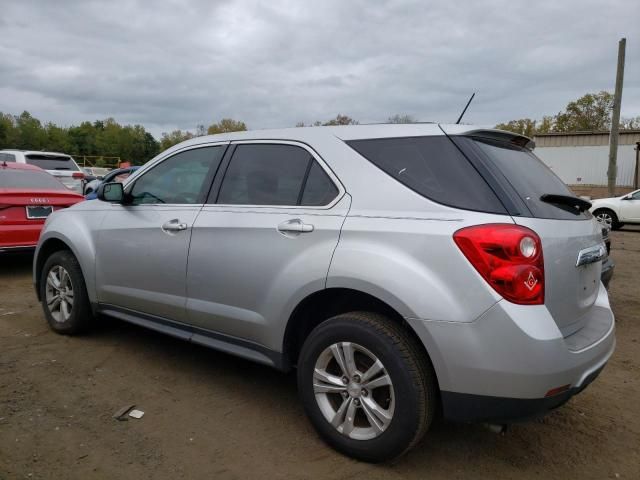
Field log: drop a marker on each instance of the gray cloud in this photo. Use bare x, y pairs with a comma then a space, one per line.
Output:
271, 64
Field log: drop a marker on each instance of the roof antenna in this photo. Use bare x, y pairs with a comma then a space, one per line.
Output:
465, 108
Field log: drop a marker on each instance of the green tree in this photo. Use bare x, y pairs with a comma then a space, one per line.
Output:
591, 112
173, 138
83, 139
57, 138
341, 120
100, 138
226, 125
8, 131
523, 126
31, 134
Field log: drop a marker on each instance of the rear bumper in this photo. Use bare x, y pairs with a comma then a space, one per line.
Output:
13, 237
466, 407
501, 366
17, 248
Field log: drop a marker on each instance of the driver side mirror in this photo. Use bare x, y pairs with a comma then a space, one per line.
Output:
111, 192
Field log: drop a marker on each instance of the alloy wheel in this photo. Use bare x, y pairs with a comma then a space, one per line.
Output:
354, 391
605, 218
59, 293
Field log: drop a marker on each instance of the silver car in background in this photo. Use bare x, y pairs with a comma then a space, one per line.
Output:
404, 270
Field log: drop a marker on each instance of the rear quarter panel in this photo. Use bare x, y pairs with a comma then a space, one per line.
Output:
413, 264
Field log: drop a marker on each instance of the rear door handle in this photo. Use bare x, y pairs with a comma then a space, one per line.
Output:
295, 226
174, 226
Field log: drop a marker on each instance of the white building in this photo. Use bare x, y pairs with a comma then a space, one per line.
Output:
581, 160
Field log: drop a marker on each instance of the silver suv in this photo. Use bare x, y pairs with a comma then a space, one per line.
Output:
405, 270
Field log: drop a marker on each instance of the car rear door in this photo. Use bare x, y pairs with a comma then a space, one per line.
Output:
142, 245
264, 239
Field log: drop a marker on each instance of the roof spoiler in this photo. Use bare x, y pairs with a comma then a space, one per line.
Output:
503, 136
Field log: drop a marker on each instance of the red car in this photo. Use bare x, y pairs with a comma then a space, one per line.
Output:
28, 195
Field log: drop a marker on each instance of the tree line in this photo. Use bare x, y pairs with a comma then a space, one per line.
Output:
133, 143
591, 112
103, 138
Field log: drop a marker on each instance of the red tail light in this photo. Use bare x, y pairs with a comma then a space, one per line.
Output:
509, 258
77, 175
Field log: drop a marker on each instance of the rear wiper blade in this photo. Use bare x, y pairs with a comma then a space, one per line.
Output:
566, 201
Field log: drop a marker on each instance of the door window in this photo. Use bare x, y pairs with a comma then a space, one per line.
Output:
274, 174
179, 179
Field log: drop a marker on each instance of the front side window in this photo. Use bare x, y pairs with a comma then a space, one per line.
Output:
274, 174
179, 179
636, 195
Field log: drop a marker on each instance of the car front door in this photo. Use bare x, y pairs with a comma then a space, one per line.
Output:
630, 207
264, 238
142, 245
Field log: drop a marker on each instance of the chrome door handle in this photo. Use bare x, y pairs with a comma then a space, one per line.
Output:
295, 226
174, 226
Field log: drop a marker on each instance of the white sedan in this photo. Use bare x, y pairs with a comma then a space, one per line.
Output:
617, 211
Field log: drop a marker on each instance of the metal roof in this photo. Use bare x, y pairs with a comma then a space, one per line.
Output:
583, 139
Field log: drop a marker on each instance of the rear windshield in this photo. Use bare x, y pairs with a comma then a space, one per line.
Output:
432, 167
530, 178
52, 162
30, 179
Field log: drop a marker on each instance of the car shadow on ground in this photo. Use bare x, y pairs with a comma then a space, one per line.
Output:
15, 263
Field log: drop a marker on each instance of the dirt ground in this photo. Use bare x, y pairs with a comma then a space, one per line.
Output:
215, 416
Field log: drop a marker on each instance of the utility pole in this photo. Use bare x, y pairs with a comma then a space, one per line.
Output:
636, 171
615, 120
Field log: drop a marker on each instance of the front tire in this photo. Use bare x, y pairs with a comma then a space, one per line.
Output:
367, 387
608, 217
63, 294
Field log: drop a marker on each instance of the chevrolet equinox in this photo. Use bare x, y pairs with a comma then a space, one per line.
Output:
406, 271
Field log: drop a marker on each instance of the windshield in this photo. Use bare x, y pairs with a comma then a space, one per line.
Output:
52, 162
530, 178
29, 179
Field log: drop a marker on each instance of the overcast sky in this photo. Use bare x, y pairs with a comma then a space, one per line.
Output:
274, 63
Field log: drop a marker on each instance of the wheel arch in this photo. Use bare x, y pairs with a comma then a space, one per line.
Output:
329, 302
48, 247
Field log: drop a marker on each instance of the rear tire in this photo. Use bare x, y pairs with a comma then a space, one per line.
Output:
389, 416
63, 294
608, 217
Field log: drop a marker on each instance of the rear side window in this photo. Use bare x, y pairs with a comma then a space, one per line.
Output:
319, 190
432, 167
275, 174
52, 162
10, 178
7, 157
530, 178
